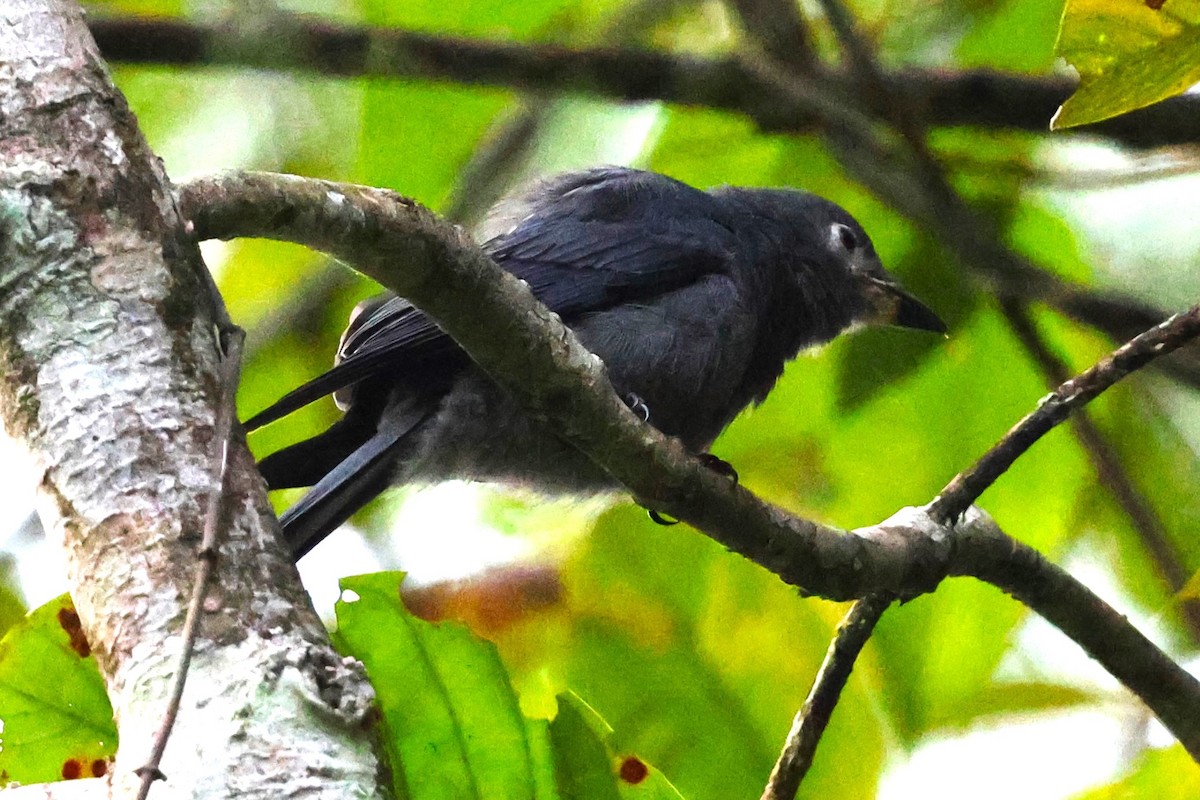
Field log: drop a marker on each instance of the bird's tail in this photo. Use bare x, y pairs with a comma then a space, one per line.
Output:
346, 466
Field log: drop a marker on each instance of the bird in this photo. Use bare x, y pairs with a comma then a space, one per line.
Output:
694, 300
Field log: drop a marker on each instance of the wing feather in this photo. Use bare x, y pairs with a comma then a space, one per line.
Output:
584, 242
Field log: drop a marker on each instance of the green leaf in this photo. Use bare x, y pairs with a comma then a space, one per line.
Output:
1018, 37
583, 745
587, 772
453, 724
699, 659
54, 710
1005, 699
450, 716
1129, 55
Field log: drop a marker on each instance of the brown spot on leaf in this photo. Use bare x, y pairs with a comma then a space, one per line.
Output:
633, 770
491, 602
99, 768
69, 621
1155, 4
71, 769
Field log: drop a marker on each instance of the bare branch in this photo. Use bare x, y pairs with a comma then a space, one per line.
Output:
779, 29
961, 492
813, 717
941, 97
1111, 472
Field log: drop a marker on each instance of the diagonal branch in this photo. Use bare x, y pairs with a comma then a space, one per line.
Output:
779, 29
1112, 474
528, 350
813, 717
966, 487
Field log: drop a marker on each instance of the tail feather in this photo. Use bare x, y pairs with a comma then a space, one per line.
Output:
348, 466
306, 463
347, 488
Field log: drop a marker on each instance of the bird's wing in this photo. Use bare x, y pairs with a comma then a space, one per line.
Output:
387, 334
583, 242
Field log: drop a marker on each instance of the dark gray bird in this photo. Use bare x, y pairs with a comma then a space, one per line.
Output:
694, 301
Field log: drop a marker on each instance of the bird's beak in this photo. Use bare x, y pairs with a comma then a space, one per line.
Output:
888, 304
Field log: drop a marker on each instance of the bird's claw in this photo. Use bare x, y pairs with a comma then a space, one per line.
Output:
719, 466
638, 406
660, 519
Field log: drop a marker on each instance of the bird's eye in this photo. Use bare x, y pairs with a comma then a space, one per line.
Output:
844, 236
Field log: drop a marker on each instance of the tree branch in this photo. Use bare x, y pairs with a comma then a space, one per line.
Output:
779, 29
813, 717
812, 102
1111, 472
529, 351
111, 379
966, 487
942, 98
983, 551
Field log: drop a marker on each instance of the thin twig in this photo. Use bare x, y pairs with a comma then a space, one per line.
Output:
961, 492
779, 30
232, 339
1109, 469
813, 717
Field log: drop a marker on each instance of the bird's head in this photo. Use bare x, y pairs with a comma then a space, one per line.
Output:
822, 251
884, 300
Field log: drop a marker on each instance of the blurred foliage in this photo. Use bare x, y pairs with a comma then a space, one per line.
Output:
12, 609
1128, 55
697, 658
1166, 774
452, 724
55, 719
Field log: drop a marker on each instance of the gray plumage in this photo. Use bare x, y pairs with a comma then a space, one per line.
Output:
694, 301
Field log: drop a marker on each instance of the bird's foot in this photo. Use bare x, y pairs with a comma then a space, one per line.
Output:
719, 466
638, 406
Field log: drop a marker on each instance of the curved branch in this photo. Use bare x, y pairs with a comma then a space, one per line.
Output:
983, 551
527, 349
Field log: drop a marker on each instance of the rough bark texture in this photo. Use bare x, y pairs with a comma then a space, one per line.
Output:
110, 361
